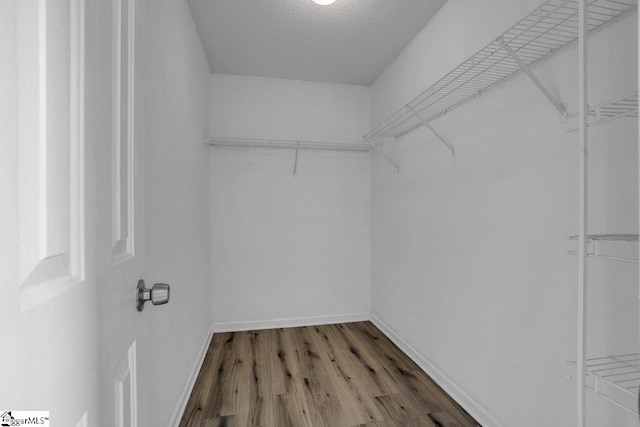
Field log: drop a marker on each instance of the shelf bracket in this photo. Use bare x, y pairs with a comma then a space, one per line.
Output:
527, 70
295, 163
433, 131
391, 162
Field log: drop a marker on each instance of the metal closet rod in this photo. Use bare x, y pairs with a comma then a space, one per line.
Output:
284, 143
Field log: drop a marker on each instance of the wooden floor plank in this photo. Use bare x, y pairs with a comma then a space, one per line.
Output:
308, 352
223, 396
194, 410
292, 411
372, 372
228, 421
356, 401
395, 409
344, 375
448, 419
336, 360
426, 388
325, 408
256, 400
285, 371
390, 355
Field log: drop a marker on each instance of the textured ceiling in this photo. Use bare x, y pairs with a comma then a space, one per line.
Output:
350, 41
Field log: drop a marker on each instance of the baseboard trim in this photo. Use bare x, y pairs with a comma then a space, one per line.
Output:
289, 323
181, 404
472, 406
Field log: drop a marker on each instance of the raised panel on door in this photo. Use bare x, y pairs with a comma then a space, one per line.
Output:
125, 390
51, 148
123, 135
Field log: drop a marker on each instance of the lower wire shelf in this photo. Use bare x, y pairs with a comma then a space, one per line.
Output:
626, 106
618, 247
615, 378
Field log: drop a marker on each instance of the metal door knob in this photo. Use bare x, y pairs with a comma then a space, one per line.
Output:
158, 294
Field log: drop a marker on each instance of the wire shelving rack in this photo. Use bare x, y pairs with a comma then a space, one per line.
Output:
612, 377
555, 25
537, 37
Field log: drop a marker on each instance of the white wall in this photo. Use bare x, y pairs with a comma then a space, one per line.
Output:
176, 202
468, 263
285, 249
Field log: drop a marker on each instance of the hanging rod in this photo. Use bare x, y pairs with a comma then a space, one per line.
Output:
283, 143
537, 37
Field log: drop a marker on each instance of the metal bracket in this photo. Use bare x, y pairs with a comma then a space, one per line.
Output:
527, 70
372, 145
440, 137
598, 113
295, 164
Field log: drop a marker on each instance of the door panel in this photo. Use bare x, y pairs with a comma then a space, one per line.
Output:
47, 283
50, 134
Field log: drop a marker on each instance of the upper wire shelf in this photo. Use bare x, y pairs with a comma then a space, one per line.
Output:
616, 378
541, 34
626, 106
290, 144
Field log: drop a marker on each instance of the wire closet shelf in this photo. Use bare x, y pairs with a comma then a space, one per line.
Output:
286, 144
615, 378
626, 106
616, 247
540, 35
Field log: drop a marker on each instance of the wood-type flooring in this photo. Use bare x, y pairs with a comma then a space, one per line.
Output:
340, 375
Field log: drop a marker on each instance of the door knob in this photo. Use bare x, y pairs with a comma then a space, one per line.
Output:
158, 294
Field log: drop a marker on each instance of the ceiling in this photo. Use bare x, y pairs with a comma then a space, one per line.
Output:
350, 41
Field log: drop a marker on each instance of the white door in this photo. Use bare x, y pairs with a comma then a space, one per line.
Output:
122, 327
71, 211
48, 314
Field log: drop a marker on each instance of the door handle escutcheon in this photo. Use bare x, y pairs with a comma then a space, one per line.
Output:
158, 294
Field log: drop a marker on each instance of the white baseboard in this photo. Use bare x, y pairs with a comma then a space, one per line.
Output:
472, 406
174, 421
289, 323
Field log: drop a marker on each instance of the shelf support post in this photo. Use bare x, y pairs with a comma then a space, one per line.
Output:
583, 236
433, 131
527, 70
391, 162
